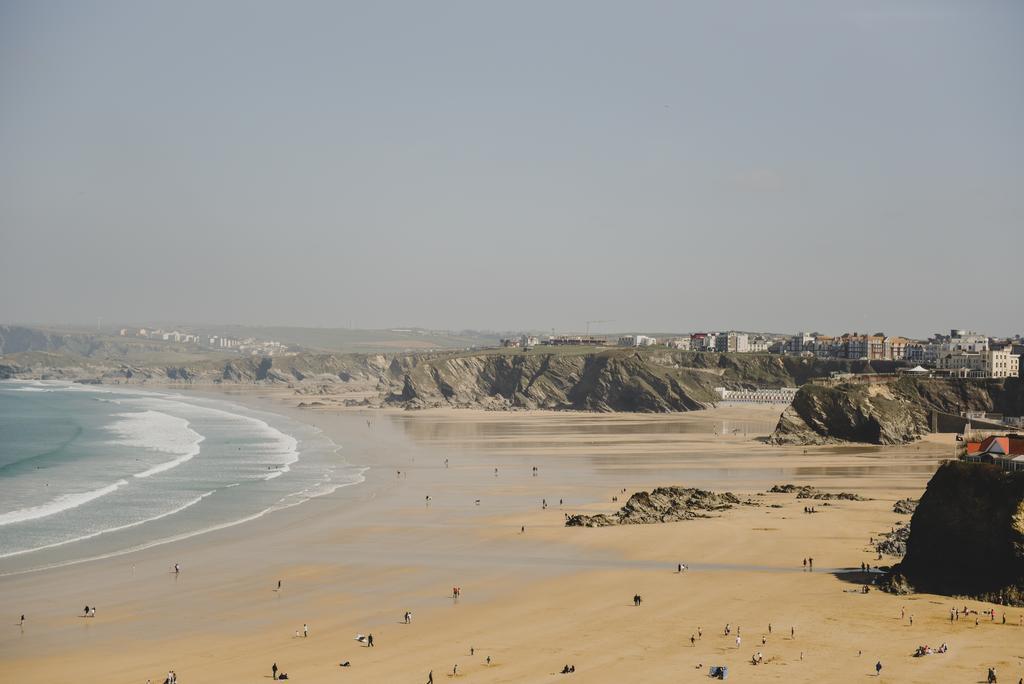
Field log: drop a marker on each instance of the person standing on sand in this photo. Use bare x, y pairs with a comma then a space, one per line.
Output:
700, 632
810, 564
273, 670
279, 585
805, 563
455, 670
430, 675
22, 623
792, 632
369, 641
693, 641
878, 669
305, 630
739, 640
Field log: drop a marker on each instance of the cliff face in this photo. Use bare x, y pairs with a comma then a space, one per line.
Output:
591, 382
967, 534
888, 413
610, 380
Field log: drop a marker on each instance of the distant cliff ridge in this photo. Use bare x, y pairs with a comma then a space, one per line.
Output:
615, 379
889, 413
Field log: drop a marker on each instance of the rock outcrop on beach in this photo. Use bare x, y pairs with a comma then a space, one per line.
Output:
808, 492
905, 506
894, 542
967, 535
895, 412
664, 504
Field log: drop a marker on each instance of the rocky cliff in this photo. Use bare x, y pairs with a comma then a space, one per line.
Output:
656, 381
587, 382
967, 535
888, 413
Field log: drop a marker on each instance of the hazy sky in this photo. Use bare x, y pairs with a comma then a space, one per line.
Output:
667, 166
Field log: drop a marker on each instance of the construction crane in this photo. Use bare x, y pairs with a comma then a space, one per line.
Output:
589, 322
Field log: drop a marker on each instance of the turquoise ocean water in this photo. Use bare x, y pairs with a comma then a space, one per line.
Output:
88, 471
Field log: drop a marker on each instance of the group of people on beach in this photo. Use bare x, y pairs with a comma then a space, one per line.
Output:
89, 612
808, 564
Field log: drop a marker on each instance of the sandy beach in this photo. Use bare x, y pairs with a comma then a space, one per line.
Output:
531, 601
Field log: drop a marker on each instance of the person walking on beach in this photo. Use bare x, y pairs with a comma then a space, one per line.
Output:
878, 669
408, 617
177, 568
810, 564
279, 585
369, 641
430, 675
273, 670
805, 563
22, 623
792, 632
455, 670
700, 632
305, 630
739, 640
693, 641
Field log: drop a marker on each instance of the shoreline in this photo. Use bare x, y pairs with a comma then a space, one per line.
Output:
51, 555
533, 601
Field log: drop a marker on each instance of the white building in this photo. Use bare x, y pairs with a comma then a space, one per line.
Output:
966, 340
759, 344
637, 341
682, 343
980, 364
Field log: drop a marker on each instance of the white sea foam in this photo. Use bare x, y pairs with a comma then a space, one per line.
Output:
179, 509
157, 431
359, 478
61, 503
266, 453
